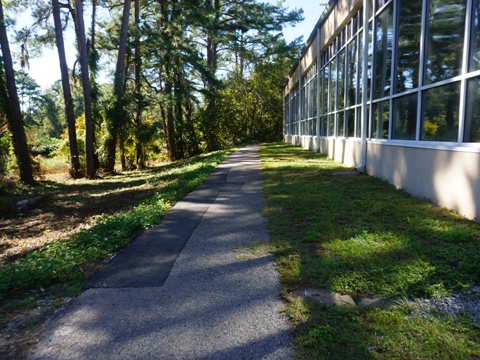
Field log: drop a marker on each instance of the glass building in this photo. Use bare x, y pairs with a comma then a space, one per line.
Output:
393, 87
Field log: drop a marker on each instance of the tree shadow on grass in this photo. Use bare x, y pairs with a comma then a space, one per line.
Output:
361, 236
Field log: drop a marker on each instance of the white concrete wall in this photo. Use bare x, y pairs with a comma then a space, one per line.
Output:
450, 178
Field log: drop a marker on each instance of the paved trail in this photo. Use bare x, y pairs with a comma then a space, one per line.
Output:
179, 292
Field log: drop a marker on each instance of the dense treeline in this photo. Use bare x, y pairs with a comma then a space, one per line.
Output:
186, 76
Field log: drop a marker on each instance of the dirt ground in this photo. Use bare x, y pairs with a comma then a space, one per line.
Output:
65, 208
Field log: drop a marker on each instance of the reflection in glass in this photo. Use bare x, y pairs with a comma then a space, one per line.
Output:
352, 73
360, 67
370, 57
444, 44
341, 79
408, 54
440, 113
314, 96
323, 126
380, 3
381, 114
304, 103
404, 126
475, 37
472, 117
333, 84
341, 124
325, 86
350, 123
287, 115
331, 125
383, 52
358, 123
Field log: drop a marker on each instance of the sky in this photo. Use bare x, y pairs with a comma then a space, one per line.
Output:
45, 70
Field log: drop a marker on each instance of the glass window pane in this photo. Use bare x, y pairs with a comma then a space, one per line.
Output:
323, 126
350, 123
370, 57
381, 114
341, 124
325, 89
408, 54
405, 117
472, 117
360, 67
475, 37
303, 104
310, 99
331, 124
380, 3
358, 123
333, 84
341, 79
444, 44
352, 73
383, 52
440, 113
314, 96
360, 17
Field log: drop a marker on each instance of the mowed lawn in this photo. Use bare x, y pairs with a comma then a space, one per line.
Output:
360, 236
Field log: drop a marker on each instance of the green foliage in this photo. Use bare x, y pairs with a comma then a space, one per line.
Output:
63, 151
361, 236
4, 154
72, 260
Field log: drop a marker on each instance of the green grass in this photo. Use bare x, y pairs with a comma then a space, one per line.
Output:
72, 261
360, 236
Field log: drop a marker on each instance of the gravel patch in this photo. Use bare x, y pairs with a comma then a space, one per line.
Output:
468, 302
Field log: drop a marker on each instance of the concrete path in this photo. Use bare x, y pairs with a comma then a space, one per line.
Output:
179, 292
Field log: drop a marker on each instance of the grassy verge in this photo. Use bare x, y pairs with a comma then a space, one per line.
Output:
361, 236
74, 260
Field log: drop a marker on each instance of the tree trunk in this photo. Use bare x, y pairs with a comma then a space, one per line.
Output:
123, 161
212, 63
16, 121
193, 148
139, 161
119, 117
170, 124
179, 120
89, 134
67, 95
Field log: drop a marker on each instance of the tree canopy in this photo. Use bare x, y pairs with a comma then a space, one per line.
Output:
178, 77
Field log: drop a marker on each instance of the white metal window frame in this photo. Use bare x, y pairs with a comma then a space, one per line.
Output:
331, 54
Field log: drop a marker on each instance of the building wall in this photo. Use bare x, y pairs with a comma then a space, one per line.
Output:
447, 177
419, 120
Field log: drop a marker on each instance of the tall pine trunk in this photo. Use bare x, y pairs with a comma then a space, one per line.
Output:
89, 134
119, 116
67, 95
15, 119
212, 63
139, 160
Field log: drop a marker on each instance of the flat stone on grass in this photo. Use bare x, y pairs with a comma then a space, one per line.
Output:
378, 302
325, 297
